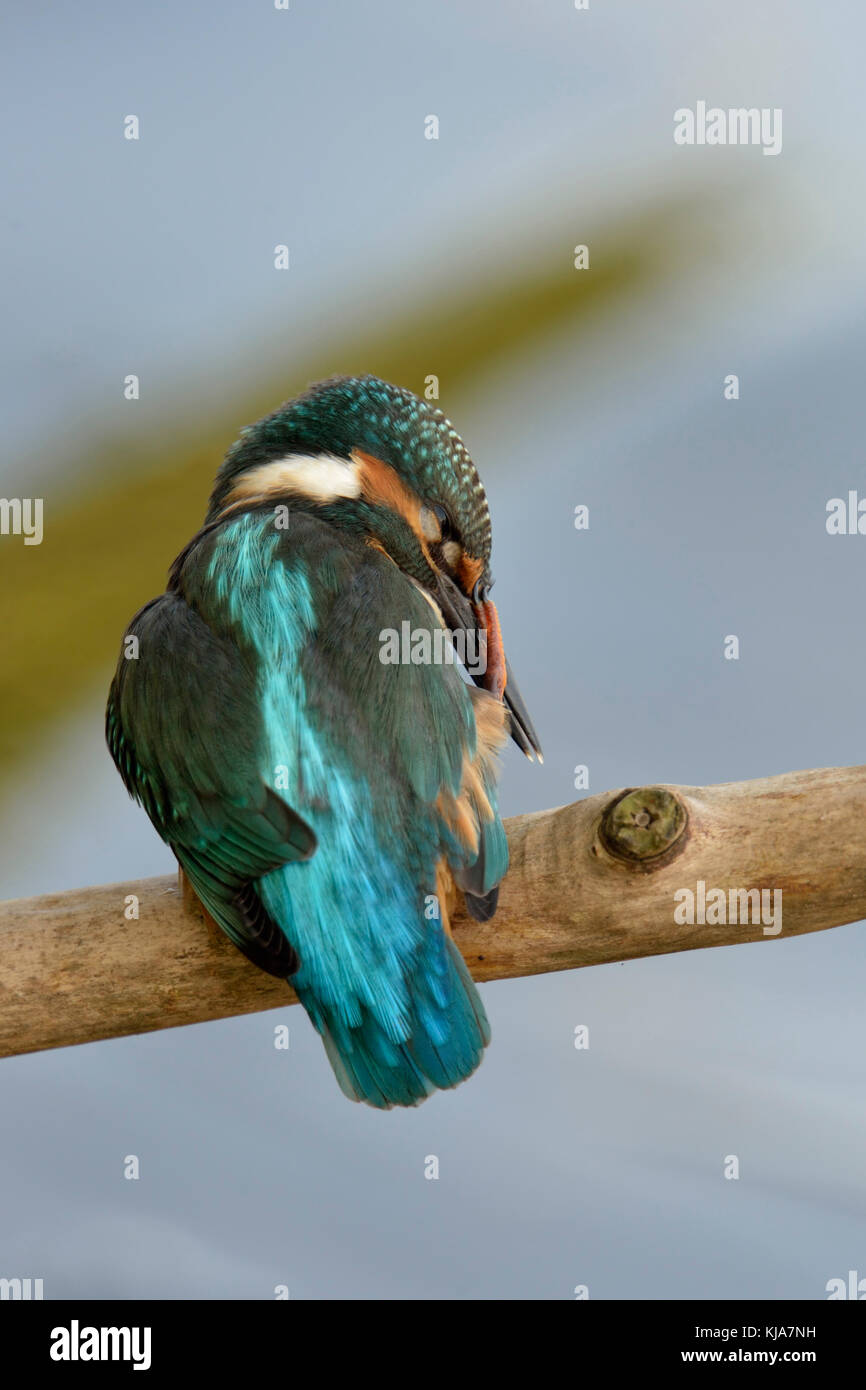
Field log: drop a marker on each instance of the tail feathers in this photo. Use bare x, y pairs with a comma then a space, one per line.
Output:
482, 909
480, 880
447, 1034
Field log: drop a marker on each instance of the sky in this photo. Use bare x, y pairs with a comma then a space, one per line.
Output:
558, 1167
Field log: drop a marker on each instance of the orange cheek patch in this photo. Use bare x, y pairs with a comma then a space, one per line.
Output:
382, 487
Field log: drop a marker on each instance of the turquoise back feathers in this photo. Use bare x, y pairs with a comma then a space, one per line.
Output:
326, 805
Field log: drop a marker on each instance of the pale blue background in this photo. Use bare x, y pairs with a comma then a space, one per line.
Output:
557, 1167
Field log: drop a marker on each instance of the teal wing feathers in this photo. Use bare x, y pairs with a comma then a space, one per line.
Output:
380, 758
417, 725
265, 661
183, 725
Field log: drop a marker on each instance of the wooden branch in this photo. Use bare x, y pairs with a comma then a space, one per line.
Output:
589, 883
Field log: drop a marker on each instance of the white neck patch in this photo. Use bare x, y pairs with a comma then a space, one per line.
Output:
323, 477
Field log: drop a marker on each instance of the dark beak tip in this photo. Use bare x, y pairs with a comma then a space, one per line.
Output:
522, 728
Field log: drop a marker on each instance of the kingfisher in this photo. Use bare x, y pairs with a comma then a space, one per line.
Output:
325, 803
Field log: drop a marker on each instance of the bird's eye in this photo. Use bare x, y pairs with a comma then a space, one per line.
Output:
446, 526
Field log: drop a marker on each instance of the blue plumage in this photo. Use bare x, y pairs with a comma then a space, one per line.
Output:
320, 800
398, 1014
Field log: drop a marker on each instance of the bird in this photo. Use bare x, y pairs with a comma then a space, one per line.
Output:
326, 801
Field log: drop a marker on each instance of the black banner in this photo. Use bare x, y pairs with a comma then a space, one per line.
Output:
246, 1338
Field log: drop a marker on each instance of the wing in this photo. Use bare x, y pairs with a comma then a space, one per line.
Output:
183, 727
427, 725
